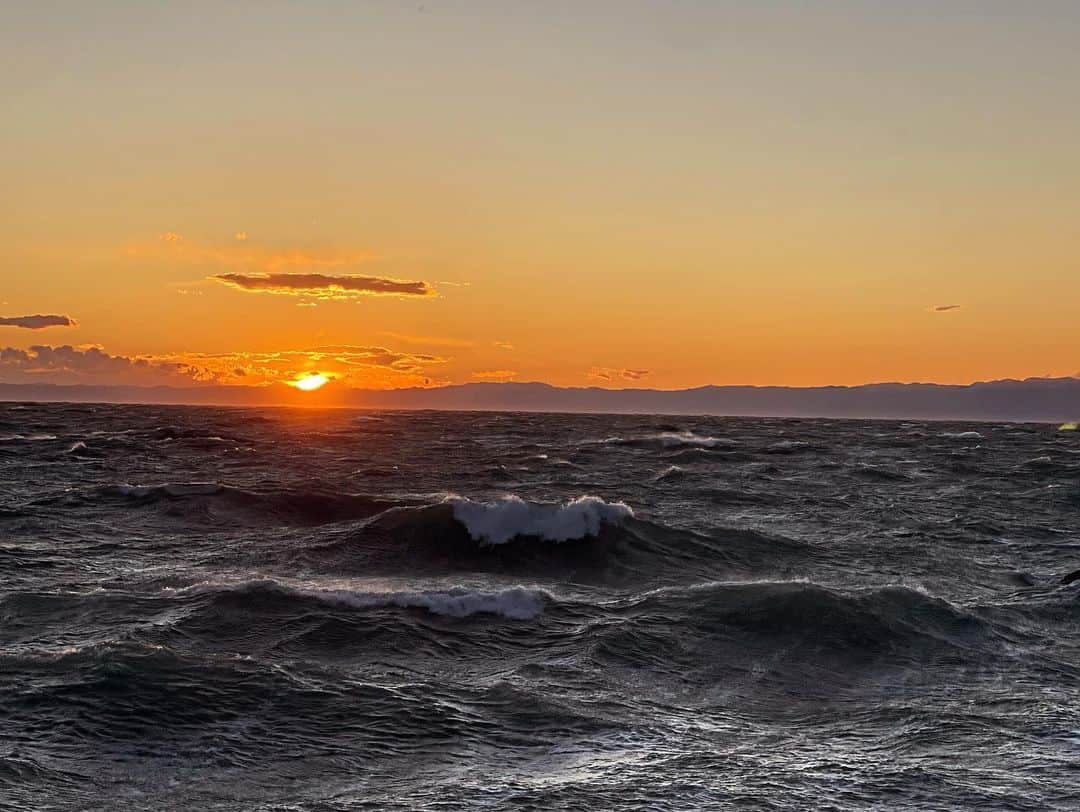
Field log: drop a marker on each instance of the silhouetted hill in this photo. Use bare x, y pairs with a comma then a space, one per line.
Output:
1035, 399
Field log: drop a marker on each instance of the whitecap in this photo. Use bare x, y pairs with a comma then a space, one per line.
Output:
514, 603
511, 516
676, 439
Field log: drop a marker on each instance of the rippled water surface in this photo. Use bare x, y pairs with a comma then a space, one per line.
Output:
271, 609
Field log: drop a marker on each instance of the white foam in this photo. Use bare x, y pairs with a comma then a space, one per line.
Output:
787, 445
511, 516
675, 439
514, 603
670, 439
132, 490
962, 435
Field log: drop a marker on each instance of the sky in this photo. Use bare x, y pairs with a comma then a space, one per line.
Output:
662, 194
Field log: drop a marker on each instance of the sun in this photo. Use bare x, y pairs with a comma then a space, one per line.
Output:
310, 382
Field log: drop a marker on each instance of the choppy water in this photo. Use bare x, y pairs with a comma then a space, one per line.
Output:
237, 609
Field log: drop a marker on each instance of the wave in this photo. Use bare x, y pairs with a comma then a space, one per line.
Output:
584, 541
168, 434
880, 474
679, 439
162, 696
788, 447
671, 472
512, 517
513, 603
673, 439
961, 435
302, 507
799, 620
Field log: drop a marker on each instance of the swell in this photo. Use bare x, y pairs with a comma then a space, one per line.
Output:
218, 641
100, 698
274, 618
335, 622
797, 634
674, 439
514, 603
285, 506
596, 548
113, 693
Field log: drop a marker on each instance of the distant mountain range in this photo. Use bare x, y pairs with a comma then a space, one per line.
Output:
1034, 399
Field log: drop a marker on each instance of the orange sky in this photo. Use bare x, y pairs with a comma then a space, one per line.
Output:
614, 194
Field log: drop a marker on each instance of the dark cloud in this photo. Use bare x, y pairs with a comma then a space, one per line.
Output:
324, 286
375, 356
37, 322
944, 308
78, 364
355, 365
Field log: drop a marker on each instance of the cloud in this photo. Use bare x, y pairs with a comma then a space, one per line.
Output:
944, 308
502, 345
67, 364
37, 322
315, 272
495, 374
360, 366
611, 374
322, 286
375, 356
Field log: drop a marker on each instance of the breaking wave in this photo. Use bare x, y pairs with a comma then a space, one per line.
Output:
673, 439
513, 603
511, 517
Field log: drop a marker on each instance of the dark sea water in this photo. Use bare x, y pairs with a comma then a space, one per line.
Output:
312, 610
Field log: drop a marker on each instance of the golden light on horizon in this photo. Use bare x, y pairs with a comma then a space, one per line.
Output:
310, 382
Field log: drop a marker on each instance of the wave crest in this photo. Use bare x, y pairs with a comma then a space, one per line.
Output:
671, 439
296, 507
513, 603
511, 517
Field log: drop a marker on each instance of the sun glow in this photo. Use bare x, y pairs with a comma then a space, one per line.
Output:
310, 382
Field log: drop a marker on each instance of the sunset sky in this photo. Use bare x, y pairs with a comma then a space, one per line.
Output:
661, 194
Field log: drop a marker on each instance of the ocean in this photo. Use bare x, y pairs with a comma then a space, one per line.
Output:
273, 609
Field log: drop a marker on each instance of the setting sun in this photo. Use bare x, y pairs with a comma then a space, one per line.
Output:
311, 381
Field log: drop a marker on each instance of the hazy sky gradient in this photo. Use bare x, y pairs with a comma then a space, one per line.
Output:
687, 192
